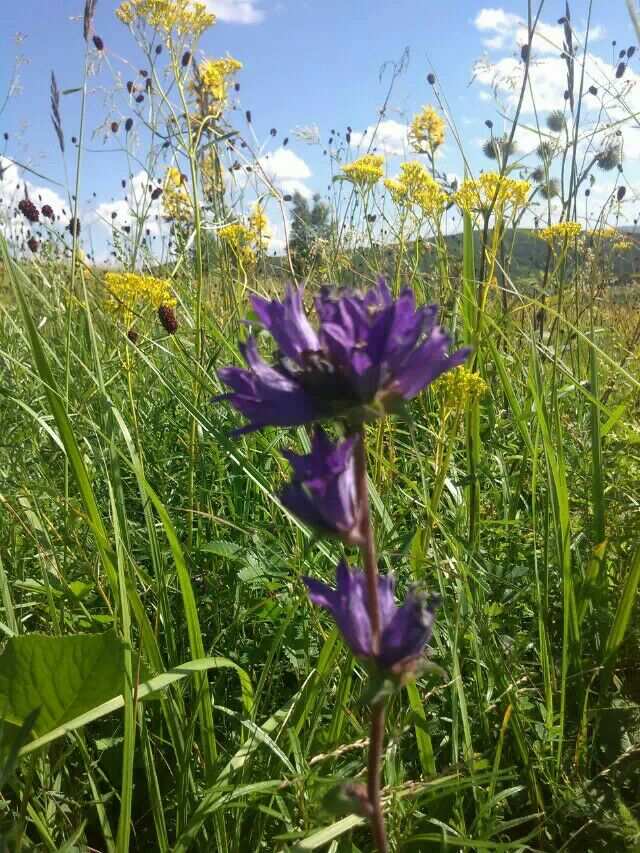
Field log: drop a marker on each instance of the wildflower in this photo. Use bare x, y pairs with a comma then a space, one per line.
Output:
28, 209
610, 156
323, 493
560, 232
185, 17
127, 289
366, 170
397, 190
505, 194
415, 186
128, 124
259, 223
556, 121
460, 387
369, 354
240, 239
623, 245
74, 227
175, 198
168, 320
47, 211
133, 336
215, 76
405, 629
426, 131
33, 244
98, 43
604, 233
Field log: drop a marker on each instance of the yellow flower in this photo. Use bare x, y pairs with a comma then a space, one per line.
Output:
415, 186
426, 131
366, 170
186, 17
259, 224
623, 245
560, 232
461, 386
504, 193
129, 292
606, 232
240, 239
215, 75
175, 198
397, 190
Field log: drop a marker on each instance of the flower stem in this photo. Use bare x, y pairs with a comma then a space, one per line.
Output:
376, 739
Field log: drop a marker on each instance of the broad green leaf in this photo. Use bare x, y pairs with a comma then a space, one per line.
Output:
146, 690
222, 548
62, 676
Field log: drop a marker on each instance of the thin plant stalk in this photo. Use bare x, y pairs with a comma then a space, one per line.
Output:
376, 738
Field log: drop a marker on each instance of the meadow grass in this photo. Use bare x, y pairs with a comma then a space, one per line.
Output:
132, 514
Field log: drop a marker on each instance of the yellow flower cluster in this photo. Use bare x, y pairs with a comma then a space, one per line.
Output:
623, 245
478, 194
212, 174
259, 224
186, 17
560, 232
366, 170
175, 198
242, 240
130, 289
415, 186
215, 75
426, 131
461, 386
605, 233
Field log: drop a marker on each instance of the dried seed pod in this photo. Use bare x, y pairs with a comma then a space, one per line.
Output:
168, 320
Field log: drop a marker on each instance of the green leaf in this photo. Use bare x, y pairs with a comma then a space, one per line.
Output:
63, 677
222, 548
147, 690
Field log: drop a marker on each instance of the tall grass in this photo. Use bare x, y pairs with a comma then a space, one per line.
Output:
128, 505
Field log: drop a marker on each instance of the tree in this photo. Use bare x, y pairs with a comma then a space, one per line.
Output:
309, 226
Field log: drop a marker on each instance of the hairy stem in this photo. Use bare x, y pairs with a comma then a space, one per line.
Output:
376, 739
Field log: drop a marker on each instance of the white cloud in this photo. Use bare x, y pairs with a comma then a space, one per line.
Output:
547, 77
137, 200
504, 30
236, 11
13, 185
286, 170
389, 137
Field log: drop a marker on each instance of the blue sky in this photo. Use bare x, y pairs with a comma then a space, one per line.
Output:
306, 62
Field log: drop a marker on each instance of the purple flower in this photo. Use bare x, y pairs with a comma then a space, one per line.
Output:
368, 353
323, 493
405, 629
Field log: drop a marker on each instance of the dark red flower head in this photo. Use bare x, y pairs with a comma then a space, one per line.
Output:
28, 209
167, 317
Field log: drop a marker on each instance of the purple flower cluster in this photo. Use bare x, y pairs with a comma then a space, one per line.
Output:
323, 493
369, 353
405, 629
